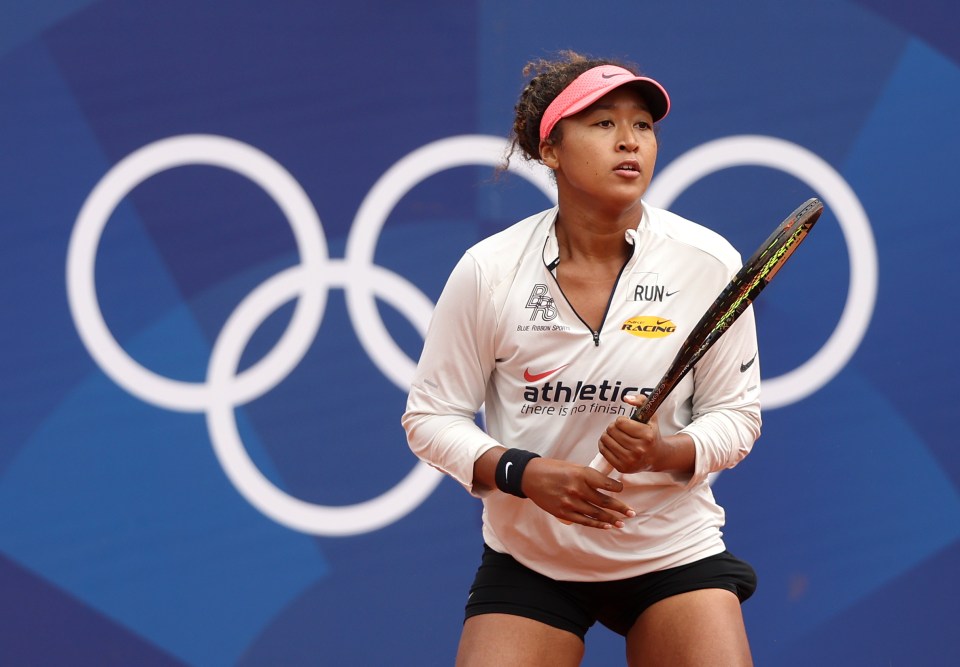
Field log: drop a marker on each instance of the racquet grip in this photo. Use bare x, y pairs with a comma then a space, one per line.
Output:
602, 465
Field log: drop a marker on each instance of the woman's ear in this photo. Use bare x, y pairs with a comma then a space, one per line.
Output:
548, 154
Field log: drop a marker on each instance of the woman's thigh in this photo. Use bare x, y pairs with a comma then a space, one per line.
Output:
702, 627
495, 640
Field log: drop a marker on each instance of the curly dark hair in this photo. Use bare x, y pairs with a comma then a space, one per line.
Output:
549, 79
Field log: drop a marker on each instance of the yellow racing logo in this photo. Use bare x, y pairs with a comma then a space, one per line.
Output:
648, 326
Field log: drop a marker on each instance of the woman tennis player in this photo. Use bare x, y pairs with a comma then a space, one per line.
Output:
558, 325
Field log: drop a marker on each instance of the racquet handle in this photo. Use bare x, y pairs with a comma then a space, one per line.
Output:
602, 465
641, 414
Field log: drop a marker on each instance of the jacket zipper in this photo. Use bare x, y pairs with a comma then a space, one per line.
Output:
595, 334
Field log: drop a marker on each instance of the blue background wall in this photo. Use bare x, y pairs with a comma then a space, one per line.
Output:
218, 476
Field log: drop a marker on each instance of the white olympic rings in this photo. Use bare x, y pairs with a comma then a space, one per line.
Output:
308, 282
839, 197
225, 389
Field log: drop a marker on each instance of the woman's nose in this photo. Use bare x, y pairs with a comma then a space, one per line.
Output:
628, 143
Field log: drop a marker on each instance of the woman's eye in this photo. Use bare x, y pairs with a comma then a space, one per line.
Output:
605, 123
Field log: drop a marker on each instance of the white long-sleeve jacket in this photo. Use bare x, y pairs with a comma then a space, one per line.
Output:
504, 337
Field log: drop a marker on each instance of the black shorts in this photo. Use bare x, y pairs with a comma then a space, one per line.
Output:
504, 586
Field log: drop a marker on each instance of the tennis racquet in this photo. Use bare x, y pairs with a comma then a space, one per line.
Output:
750, 280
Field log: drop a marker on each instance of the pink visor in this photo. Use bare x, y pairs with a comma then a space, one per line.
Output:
594, 84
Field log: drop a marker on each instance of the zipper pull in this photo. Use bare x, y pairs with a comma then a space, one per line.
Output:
596, 338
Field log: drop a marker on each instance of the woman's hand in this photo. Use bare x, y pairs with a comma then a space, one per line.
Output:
632, 446
574, 493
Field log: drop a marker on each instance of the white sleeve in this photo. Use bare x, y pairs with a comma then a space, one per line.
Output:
451, 379
726, 400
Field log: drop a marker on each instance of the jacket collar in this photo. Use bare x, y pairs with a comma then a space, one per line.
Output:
551, 247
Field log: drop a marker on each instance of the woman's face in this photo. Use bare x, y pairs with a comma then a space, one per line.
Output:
607, 152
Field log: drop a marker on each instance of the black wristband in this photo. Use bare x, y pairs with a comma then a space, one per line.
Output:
510, 469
